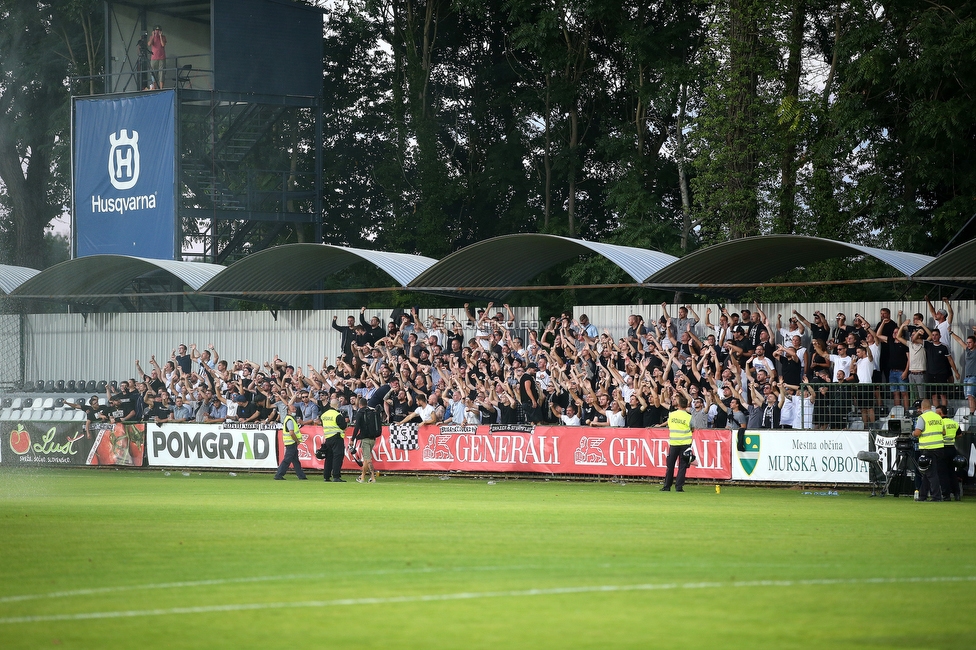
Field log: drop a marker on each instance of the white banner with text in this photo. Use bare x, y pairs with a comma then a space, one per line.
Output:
235, 446
796, 456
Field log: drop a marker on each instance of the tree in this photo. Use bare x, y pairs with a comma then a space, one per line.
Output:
905, 100
35, 62
732, 133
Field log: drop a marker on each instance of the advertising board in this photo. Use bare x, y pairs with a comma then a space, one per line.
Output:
232, 446
795, 456
68, 444
528, 448
124, 175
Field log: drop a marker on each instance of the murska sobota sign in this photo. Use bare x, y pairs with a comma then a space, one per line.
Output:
799, 455
124, 178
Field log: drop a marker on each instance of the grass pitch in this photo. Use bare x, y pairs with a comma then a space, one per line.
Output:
100, 559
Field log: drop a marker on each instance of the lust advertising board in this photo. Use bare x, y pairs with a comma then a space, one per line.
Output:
66, 444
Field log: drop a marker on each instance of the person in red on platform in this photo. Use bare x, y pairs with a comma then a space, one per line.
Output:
157, 43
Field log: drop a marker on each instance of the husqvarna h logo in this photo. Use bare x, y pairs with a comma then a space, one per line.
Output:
123, 159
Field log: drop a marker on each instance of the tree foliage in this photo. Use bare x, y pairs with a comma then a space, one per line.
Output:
40, 46
668, 125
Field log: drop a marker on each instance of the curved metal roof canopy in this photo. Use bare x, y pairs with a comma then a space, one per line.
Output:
12, 277
109, 274
960, 262
299, 267
513, 260
757, 259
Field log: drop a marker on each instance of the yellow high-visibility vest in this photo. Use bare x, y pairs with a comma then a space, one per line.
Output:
679, 426
294, 436
951, 429
329, 425
931, 437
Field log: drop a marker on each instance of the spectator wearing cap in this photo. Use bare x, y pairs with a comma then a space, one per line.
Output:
841, 329
787, 333
93, 412
859, 329
819, 328
157, 62
745, 322
246, 409
764, 342
943, 320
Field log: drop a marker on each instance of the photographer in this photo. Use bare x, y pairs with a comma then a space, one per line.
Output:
157, 42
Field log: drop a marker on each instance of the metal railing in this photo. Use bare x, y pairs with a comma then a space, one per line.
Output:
889, 407
140, 77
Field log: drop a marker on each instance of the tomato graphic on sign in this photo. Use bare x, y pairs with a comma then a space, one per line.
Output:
20, 441
120, 445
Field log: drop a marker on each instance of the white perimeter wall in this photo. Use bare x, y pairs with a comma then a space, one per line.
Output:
105, 346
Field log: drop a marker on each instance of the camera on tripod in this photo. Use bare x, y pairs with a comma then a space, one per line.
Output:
143, 46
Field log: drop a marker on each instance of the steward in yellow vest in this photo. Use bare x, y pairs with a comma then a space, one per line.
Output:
680, 440
291, 435
333, 431
951, 487
929, 431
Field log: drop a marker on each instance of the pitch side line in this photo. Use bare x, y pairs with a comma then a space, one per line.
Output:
428, 598
228, 581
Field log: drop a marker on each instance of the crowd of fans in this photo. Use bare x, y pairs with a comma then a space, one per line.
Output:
736, 369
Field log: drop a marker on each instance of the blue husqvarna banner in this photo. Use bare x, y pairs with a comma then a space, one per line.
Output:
124, 160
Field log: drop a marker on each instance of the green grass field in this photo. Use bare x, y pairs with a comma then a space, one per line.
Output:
113, 559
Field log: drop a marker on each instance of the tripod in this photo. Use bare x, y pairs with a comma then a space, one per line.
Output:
904, 460
144, 75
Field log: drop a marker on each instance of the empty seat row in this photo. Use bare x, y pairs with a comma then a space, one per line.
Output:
66, 386
19, 403
53, 415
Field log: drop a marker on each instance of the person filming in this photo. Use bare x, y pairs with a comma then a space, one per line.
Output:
157, 43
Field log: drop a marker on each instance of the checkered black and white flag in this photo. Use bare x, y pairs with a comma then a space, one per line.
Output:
404, 436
